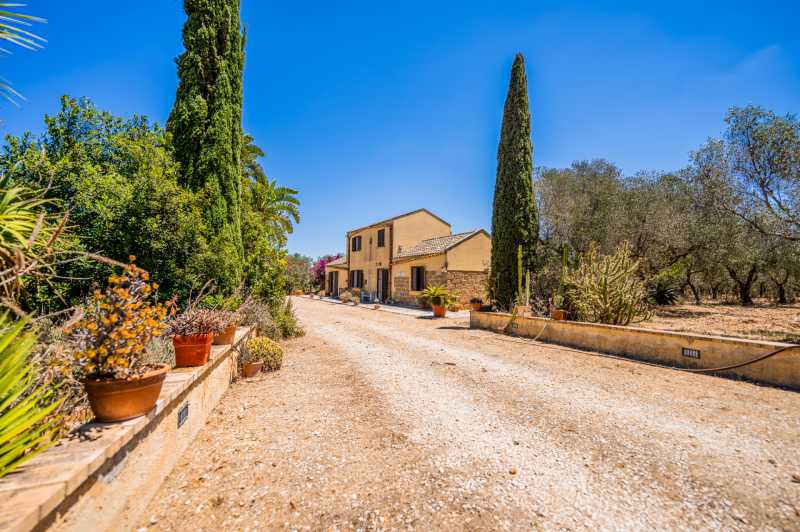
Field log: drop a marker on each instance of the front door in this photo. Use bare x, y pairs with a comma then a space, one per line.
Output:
383, 284
333, 284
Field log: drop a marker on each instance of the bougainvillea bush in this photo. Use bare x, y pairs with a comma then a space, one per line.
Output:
318, 269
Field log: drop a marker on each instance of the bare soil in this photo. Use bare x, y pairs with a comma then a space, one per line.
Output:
384, 421
760, 322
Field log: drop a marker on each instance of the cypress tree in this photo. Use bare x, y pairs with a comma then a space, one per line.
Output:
206, 119
514, 220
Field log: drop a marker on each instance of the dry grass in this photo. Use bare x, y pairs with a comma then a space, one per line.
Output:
761, 322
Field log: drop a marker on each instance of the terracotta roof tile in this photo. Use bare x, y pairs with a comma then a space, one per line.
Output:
434, 246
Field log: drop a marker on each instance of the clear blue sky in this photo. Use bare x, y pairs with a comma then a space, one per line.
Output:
375, 108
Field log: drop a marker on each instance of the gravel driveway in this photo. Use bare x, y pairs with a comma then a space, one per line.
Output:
385, 421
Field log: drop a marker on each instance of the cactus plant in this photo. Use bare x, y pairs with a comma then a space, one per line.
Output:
607, 289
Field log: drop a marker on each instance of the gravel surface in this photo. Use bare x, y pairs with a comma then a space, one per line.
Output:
385, 421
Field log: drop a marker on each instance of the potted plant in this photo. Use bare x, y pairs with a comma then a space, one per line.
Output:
437, 297
192, 333
557, 312
345, 297
251, 364
227, 335
476, 303
111, 340
268, 351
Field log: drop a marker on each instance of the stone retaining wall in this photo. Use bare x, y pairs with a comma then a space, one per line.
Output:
103, 476
664, 347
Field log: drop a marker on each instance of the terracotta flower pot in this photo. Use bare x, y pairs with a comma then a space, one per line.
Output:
192, 350
226, 336
251, 369
523, 309
121, 399
558, 314
439, 311
475, 306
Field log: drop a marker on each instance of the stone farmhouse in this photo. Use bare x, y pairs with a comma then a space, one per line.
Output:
395, 259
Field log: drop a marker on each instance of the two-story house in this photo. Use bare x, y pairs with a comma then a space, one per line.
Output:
394, 259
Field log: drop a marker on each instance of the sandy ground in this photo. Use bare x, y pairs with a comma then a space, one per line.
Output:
762, 321
383, 421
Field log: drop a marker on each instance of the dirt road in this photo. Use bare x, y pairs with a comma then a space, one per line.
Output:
383, 421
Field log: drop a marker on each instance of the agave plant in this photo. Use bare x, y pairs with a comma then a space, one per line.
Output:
436, 295
27, 235
27, 426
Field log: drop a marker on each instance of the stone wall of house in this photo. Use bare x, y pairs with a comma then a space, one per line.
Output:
466, 285
401, 289
436, 278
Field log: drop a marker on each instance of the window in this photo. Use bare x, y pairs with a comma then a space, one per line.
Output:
356, 278
381, 238
355, 243
417, 278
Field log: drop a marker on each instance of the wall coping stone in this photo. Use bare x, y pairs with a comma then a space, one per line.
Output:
29, 494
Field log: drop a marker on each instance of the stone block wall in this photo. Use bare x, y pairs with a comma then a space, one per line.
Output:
466, 285
401, 289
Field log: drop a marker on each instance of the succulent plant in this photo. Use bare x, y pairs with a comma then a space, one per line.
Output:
197, 321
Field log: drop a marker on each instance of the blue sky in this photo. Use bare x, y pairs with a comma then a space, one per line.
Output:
374, 108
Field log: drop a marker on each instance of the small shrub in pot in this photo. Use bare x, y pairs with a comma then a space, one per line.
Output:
476, 303
268, 351
250, 363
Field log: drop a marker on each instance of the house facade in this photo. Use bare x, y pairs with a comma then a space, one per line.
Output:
394, 259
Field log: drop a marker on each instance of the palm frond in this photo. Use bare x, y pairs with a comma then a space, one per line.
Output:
13, 26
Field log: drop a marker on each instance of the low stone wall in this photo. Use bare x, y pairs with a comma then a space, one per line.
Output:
103, 476
664, 347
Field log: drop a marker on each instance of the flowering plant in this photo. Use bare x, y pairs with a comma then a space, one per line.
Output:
112, 336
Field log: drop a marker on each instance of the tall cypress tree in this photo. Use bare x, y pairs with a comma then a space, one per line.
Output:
514, 220
206, 120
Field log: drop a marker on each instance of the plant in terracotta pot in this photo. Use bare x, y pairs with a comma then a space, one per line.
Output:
476, 303
267, 350
110, 342
227, 309
192, 333
557, 311
227, 335
251, 363
438, 298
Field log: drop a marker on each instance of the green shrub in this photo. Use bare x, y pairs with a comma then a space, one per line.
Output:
607, 288
266, 350
286, 321
257, 314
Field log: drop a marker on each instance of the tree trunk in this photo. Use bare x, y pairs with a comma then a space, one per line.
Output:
745, 285
714, 291
782, 294
780, 284
692, 287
